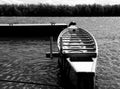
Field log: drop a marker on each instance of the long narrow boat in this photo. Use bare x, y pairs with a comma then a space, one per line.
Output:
79, 50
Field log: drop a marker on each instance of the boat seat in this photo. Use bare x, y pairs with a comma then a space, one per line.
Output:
81, 59
81, 55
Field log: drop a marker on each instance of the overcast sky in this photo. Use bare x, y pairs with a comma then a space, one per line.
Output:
73, 2
68, 2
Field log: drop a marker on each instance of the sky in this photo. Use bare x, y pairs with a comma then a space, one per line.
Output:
56, 2
11, 2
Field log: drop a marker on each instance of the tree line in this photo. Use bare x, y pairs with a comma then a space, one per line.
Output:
59, 10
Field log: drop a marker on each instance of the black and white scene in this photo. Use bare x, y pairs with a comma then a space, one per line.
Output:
59, 44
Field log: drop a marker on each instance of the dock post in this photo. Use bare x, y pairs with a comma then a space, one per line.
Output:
51, 41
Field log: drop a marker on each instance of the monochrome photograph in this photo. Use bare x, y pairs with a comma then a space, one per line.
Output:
54, 44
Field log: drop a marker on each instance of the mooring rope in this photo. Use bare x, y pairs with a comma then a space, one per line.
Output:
52, 85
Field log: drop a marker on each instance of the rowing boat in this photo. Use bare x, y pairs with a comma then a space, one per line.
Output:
76, 42
79, 51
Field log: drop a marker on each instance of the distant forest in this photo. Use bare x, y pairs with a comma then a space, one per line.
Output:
59, 10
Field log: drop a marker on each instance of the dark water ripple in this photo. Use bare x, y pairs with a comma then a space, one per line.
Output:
25, 61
